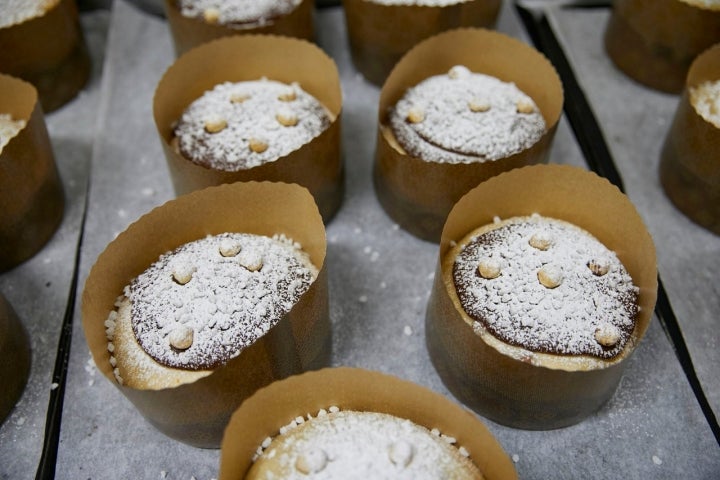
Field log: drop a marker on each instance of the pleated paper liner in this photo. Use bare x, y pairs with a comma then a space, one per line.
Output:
317, 165
689, 162
48, 51
419, 194
264, 413
188, 33
14, 358
655, 41
494, 378
196, 413
380, 34
31, 196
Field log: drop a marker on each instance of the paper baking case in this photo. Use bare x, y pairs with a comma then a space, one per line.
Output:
31, 196
655, 41
48, 51
191, 32
496, 379
264, 413
317, 165
15, 358
689, 162
418, 194
196, 413
381, 34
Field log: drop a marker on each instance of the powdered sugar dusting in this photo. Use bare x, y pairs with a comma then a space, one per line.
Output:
466, 117
17, 11
253, 134
225, 305
424, 3
361, 445
706, 100
709, 4
8, 129
573, 317
238, 12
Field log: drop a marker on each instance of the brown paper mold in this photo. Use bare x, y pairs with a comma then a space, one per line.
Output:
15, 352
419, 194
689, 162
655, 41
317, 165
380, 34
48, 51
509, 384
31, 196
188, 32
197, 412
264, 413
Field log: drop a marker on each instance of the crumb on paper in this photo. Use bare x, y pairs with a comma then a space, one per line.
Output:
163, 474
656, 460
363, 298
148, 192
407, 331
20, 421
90, 367
54, 385
515, 458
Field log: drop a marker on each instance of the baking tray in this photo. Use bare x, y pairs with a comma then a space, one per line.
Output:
379, 279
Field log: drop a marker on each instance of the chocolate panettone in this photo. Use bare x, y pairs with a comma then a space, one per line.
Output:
241, 125
545, 285
198, 306
348, 444
465, 117
237, 13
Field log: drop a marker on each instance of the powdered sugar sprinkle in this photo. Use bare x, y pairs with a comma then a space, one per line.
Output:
359, 445
253, 134
466, 117
226, 305
9, 128
517, 308
238, 12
